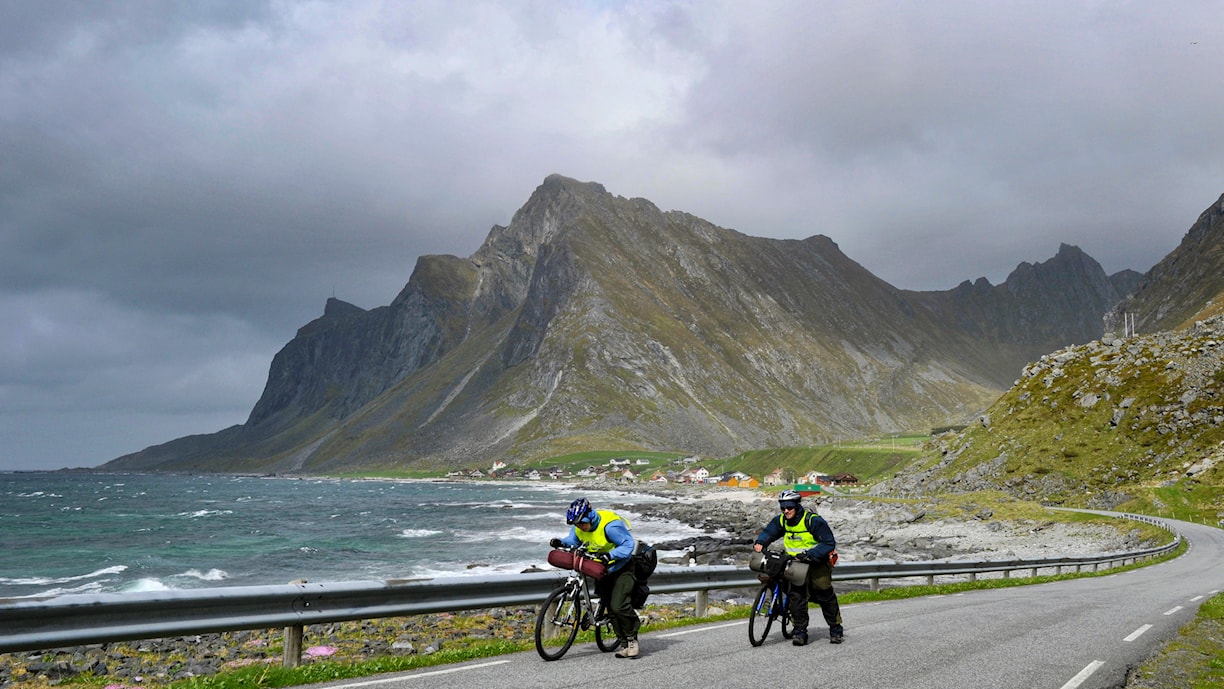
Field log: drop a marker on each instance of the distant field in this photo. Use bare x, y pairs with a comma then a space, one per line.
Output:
870, 459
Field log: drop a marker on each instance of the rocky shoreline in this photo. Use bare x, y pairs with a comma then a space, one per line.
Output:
866, 530
875, 530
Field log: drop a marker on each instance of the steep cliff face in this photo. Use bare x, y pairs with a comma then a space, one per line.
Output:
1039, 308
593, 320
1186, 285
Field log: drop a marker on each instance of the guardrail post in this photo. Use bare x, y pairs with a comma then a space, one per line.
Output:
930, 580
1033, 574
875, 584
292, 655
293, 646
1007, 574
702, 603
972, 576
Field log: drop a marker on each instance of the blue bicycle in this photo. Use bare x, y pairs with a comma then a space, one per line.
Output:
771, 600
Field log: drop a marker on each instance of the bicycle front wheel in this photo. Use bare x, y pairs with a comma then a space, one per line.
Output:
559, 617
762, 616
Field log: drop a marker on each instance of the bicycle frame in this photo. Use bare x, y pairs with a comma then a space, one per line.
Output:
772, 602
571, 607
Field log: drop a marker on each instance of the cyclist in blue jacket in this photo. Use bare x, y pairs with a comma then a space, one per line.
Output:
808, 538
606, 535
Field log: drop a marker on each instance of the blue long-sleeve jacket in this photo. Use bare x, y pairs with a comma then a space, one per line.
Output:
825, 543
618, 534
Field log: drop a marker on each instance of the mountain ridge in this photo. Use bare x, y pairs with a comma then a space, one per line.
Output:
596, 320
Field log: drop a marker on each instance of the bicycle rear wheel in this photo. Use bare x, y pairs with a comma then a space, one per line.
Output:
560, 615
762, 615
605, 636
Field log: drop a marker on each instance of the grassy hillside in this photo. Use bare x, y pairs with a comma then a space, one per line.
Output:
870, 460
1136, 424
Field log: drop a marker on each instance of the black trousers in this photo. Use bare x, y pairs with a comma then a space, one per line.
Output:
616, 589
817, 587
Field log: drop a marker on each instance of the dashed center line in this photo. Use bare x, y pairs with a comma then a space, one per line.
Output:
1138, 632
1083, 674
1170, 612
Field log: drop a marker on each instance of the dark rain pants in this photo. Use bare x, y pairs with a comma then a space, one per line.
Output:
819, 587
617, 589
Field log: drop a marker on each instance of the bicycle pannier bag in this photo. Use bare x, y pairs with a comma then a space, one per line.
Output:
770, 562
639, 594
796, 572
568, 560
645, 559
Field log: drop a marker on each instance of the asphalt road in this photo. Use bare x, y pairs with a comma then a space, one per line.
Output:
1081, 633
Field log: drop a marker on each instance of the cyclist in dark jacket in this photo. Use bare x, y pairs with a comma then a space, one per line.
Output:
808, 538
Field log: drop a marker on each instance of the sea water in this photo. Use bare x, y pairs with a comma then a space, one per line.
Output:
76, 532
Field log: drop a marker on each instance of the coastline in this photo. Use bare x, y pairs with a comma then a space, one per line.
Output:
731, 518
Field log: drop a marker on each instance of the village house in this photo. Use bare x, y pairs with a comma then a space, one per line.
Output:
817, 478
698, 475
738, 479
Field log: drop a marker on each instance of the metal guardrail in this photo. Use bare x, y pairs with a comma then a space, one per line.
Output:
39, 623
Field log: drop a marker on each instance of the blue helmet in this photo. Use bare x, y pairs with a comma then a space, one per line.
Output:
579, 511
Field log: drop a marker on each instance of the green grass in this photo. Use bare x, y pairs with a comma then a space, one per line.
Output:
1195, 658
870, 459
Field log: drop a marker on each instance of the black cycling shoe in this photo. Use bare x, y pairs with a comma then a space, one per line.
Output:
800, 639
836, 638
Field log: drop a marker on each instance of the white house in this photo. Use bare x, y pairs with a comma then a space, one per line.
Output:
776, 478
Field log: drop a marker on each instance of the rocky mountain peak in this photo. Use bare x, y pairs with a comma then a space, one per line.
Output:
1185, 286
593, 320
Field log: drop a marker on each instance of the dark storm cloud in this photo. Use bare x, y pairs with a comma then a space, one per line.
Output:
183, 184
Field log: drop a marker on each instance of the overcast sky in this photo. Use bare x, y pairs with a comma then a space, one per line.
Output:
184, 184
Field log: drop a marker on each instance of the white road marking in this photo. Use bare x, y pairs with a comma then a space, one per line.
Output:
1196, 598
1083, 674
404, 678
694, 631
1170, 612
1138, 632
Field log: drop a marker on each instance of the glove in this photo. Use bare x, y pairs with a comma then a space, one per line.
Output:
804, 557
555, 542
603, 558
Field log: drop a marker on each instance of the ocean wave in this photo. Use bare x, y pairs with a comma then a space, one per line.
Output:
146, 584
418, 533
49, 581
479, 569
211, 575
91, 587
203, 513
514, 533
